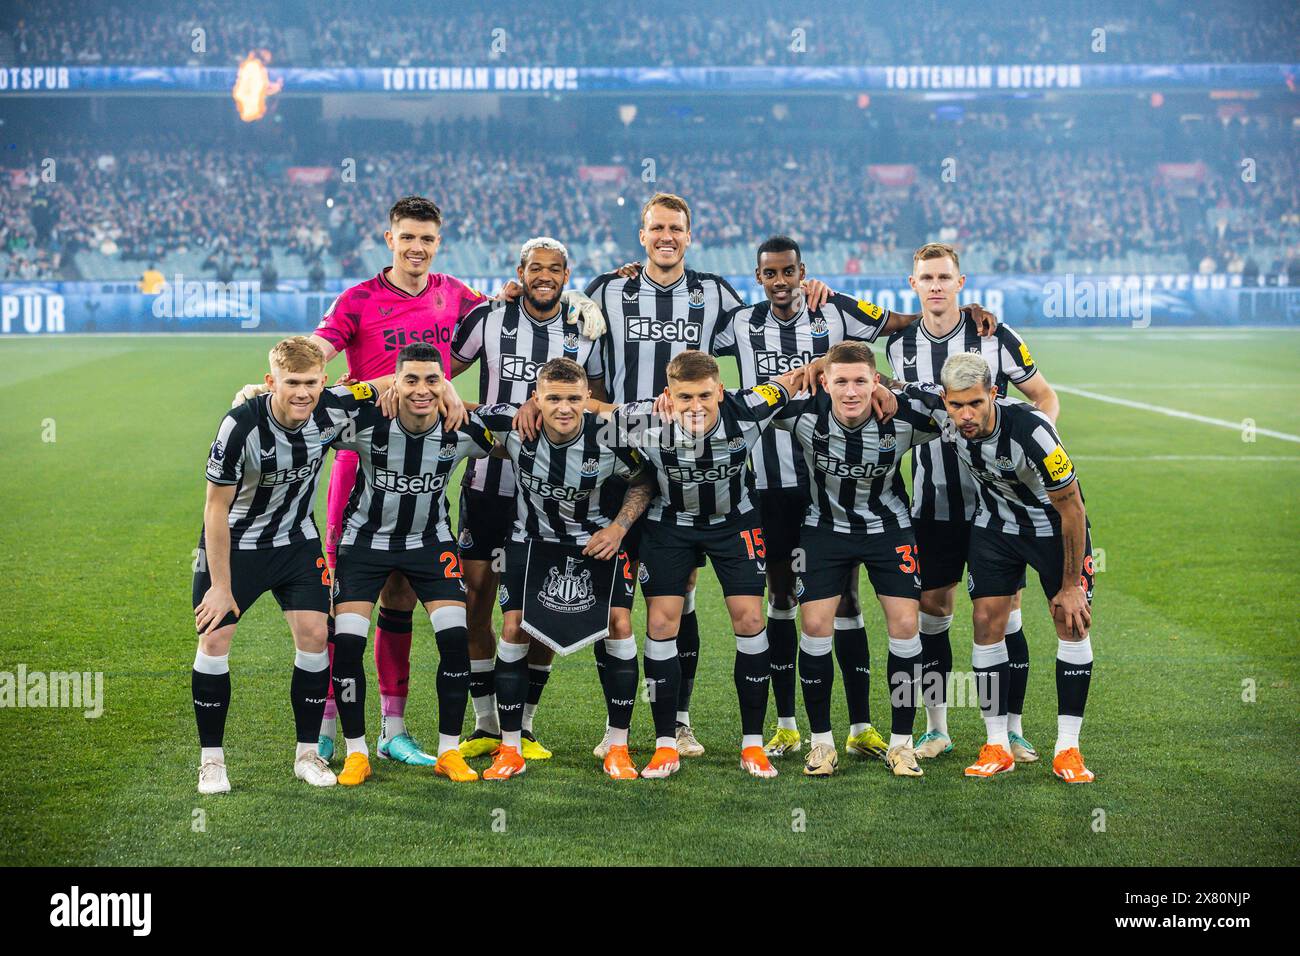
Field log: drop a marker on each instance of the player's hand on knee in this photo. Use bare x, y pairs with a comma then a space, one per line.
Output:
986, 322
883, 402
216, 604
248, 393
1070, 607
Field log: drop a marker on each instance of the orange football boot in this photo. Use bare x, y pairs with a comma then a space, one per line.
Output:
664, 763
618, 763
993, 759
755, 762
507, 762
1068, 765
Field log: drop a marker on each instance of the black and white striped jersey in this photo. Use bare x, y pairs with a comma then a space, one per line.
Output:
765, 347
941, 491
702, 479
1014, 468
276, 469
559, 485
399, 502
649, 324
856, 485
511, 346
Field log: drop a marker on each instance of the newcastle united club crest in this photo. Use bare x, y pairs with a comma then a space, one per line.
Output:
568, 593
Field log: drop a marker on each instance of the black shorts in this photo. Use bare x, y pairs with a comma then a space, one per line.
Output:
669, 552
434, 572
889, 557
294, 573
783, 511
997, 563
486, 521
941, 548
510, 592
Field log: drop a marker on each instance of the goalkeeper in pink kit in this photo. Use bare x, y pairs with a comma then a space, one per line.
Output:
371, 322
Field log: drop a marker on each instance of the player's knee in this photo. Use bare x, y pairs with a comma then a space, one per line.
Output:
747, 620
988, 624
397, 594
540, 654
312, 641
937, 603
217, 643
620, 627
662, 625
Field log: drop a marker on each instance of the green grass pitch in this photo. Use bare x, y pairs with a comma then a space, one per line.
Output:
1190, 727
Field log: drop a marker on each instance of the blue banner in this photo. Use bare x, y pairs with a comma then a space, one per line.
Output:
1041, 301
955, 78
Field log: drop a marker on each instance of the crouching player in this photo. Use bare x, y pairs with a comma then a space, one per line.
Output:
259, 535
1030, 512
858, 515
396, 524
704, 508
559, 522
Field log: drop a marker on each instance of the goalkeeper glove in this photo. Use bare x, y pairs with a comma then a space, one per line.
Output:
579, 308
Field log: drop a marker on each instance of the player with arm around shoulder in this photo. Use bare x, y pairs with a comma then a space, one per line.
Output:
1030, 513
562, 524
259, 535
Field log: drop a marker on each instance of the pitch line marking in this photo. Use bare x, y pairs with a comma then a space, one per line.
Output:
1172, 412
1137, 458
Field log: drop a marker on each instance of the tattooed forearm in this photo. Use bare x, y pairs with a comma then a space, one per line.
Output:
635, 503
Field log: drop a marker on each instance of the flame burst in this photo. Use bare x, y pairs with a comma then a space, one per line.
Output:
252, 86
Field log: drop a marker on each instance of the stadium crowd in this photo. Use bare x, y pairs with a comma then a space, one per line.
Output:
334, 33
137, 205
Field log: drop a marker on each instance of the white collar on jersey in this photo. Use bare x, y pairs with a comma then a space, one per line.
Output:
523, 307
961, 323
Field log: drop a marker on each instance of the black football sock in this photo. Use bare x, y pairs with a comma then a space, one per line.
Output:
783, 641
936, 665
904, 669
1073, 677
349, 673
753, 676
663, 677
210, 685
688, 651
1018, 662
854, 657
989, 662
817, 677
453, 668
307, 691
603, 664
482, 692
512, 686
538, 675
620, 683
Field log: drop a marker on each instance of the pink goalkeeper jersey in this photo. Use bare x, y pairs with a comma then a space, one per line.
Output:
374, 320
